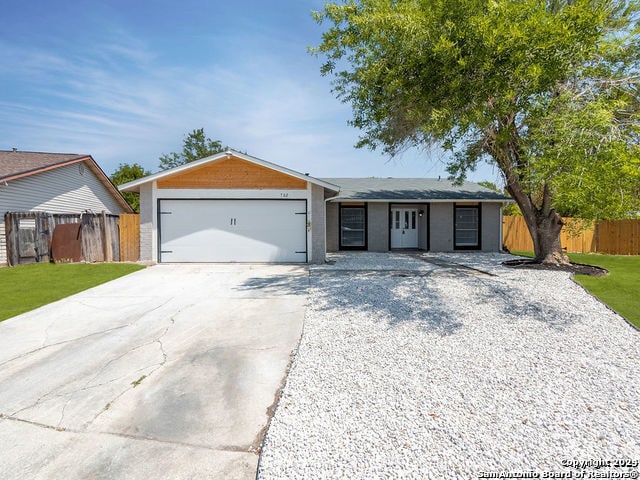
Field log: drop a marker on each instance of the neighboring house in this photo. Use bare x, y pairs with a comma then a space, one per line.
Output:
54, 183
232, 207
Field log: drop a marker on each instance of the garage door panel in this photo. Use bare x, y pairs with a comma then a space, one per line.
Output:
232, 230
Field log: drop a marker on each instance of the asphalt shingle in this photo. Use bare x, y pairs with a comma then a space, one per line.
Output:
410, 189
17, 162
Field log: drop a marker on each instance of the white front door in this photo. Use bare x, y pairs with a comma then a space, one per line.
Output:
404, 228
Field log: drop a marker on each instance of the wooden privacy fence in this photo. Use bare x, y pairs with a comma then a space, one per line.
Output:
30, 237
621, 237
615, 237
129, 237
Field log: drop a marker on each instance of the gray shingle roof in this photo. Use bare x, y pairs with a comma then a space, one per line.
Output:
17, 162
403, 189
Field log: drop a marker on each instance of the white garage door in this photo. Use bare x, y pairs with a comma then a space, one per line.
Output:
233, 231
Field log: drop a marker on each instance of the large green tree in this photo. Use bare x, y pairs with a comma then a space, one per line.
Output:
196, 145
507, 208
545, 90
126, 173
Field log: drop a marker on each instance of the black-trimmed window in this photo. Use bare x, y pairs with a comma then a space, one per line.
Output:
466, 230
353, 227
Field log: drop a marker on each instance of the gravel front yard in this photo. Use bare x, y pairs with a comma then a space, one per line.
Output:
412, 369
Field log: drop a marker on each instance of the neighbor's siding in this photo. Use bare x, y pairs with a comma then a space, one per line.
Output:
441, 227
318, 237
491, 219
146, 222
378, 227
62, 190
332, 227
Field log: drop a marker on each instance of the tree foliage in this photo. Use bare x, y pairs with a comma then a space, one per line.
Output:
126, 173
196, 145
545, 90
508, 208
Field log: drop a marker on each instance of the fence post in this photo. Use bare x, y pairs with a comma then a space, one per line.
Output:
106, 238
12, 239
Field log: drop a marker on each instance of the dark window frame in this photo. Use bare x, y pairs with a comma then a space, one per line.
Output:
366, 227
478, 246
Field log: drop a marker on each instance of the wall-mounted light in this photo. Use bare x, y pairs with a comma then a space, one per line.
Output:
420, 213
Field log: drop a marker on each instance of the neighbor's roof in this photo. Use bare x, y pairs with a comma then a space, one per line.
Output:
411, 189
16, 164
134, 186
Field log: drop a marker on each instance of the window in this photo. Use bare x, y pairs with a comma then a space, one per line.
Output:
467, 227
353, 228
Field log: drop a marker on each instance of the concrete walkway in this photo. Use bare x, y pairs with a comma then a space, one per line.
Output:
170, 373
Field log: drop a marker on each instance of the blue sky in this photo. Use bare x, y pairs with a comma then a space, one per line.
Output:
125, 80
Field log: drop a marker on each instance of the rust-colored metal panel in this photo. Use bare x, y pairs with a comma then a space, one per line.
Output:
66, 246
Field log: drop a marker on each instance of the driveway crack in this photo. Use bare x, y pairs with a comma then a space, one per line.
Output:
157, 366
55, 393
225, 448
63, 342
26, 354
88, 384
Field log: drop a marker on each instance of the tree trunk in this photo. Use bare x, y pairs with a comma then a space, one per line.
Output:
545, 232
543, 222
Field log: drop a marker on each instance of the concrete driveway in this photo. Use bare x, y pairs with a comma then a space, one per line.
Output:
170, 372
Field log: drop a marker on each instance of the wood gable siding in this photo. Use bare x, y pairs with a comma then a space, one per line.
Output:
69, 189
232, 173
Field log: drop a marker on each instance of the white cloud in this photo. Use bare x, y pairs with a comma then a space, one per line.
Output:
119, 103
95, 108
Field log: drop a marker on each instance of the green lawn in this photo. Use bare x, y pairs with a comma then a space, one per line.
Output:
27, 287
620, 290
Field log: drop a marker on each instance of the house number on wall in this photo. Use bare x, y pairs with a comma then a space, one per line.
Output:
284, 195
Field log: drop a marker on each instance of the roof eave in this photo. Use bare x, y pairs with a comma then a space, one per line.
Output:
417, 200
106, 181
134, 186
51, 166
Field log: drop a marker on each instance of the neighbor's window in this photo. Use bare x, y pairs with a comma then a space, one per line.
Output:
467, 227
353, 227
